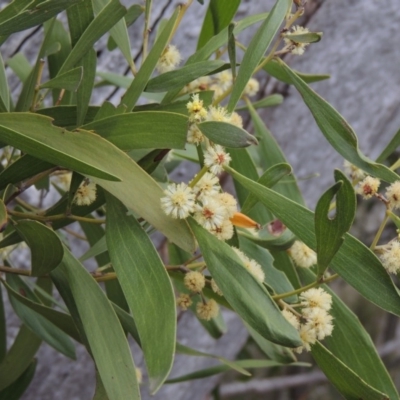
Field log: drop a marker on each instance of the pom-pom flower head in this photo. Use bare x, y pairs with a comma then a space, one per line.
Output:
194, 281
393, 195
178, 201
194, 135
391, 257
302, 255
316, 298
215, 158
252, 87
210, 214
86, 194
169, 59
251, 265
352, 171
293, 46
184, 301
196, 110
368, 187
207, 310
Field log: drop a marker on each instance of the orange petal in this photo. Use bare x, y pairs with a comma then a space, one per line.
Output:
243, 221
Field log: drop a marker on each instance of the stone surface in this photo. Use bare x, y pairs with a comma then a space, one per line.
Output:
360, 51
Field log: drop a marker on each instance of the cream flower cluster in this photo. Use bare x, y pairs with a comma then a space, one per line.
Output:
195, 282
292, 46
220, 83
169, 59
315, 322
210, 207
198, 113
390, 256
86, 194
251, 265
302, 255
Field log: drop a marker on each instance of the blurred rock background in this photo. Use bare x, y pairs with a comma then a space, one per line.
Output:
360, 51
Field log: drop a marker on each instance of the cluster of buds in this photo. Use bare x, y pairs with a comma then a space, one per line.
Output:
204, 199
314, 322
212, 208
195, 282
221, 83
198, 113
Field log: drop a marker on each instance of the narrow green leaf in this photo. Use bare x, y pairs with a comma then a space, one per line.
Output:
143, 130
271, 154
354, 262
19, 357
30, 17
232, 49
181, 349
352, 344
114, 79
257, 47
308, 37
66, 116
275, 279
337, 131
118, 32
103, 22
42, 327
244, 163
268, 241
26, 98
3, 329
45, 245
89, 63
218, 16
284, 263
142, 77
271, 350
3, 216
204, 373
244, 293
20, 66
329, 231
13, 8
127, 322
100, 392
79, 18
134, 12
62, 37
346, 381
99, 248
226, 134
390, 148
269, 178
59, 319
4, 89
147, 289
269, 101
81, 151
69, 80
102, 327
213, 45
276, 70
182, 76
18, 388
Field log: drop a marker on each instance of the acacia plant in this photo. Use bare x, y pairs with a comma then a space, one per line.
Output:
260, 252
